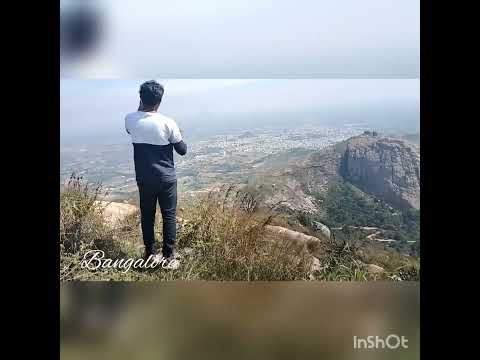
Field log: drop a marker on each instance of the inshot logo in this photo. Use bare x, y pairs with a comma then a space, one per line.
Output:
391, 342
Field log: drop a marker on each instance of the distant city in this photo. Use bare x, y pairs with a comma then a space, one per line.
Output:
210, 161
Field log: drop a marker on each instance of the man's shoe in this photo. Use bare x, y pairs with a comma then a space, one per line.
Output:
170, 263
158, 258
153, 257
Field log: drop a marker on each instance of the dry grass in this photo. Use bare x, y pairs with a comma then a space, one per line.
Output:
226, 232
221, 236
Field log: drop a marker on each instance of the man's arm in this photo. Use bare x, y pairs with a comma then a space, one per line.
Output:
176, 139
126, 126
180, 147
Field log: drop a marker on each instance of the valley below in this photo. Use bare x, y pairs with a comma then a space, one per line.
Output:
361, 186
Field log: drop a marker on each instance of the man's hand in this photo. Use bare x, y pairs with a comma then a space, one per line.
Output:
180, 148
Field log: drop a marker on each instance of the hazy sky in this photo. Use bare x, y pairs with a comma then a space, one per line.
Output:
97, 107
257, 39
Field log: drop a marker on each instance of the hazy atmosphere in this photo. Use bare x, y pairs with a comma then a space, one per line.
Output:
261, 39
94, 110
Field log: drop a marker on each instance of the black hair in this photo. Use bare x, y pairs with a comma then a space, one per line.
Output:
151, 93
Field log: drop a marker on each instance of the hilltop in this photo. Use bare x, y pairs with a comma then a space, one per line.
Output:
367, 181
385, 167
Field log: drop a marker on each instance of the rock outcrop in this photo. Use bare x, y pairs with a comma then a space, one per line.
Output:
375, 269
385, 167
115, 212
322, 228
300, 242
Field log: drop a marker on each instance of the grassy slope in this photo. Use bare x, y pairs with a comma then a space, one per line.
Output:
221, 237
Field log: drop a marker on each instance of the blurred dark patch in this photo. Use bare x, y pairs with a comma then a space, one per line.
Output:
80, 29
96, 308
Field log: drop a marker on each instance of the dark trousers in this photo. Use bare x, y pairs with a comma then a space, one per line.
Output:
166, 195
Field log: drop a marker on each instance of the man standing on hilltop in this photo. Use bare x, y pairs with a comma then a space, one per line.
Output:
154, 137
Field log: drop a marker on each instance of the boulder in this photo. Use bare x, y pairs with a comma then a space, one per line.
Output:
322, 228
375, 269
115, 212
299, 241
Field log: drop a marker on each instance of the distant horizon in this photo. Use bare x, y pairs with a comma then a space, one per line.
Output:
96, 108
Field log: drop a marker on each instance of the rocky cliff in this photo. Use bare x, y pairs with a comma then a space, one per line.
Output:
385, 167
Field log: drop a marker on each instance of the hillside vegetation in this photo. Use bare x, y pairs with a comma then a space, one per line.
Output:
346, 208
221, 236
